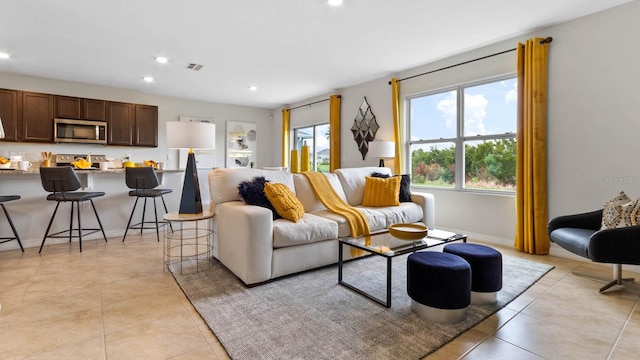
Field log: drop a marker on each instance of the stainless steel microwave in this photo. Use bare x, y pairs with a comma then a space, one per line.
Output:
79, 131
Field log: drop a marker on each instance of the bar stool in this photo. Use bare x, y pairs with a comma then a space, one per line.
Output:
144, 182
62, 183
3, 199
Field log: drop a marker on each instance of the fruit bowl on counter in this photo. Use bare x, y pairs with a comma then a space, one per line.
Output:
81, 163
5, 163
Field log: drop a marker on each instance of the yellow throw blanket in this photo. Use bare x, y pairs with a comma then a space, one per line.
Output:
323, 190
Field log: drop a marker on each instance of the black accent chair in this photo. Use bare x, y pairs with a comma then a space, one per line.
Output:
62, 183
144, 182
3, 199
581, 235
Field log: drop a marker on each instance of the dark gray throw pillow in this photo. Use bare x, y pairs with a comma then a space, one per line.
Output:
252, 192
405, 186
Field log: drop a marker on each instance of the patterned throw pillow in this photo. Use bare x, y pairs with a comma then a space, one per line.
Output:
284, 201
613, 212
381, 192
405, 186
631, 213
252, 192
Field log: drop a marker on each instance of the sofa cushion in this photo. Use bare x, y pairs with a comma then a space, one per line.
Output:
226, 182
405, 185
310, 228
352, 180
252, 192
305, 193
381, 191
284, 201
407, 212
377, 220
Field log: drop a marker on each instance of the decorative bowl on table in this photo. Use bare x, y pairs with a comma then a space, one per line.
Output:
408, 232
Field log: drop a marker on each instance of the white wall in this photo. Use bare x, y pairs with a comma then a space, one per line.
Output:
594, 86
594, 92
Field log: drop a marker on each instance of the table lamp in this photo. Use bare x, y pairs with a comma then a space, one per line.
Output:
382, 149
191, 135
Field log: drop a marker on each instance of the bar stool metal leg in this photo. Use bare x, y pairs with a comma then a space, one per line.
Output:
46, 233
99, 222
13, 228
130, 218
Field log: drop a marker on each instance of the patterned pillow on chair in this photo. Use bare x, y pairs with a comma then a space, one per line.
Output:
631, 213
613, 212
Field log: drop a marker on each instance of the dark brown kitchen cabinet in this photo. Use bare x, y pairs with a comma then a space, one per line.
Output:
93, 109
145, 131
37, 117
10, 107
28, 117
68, 107
120, 121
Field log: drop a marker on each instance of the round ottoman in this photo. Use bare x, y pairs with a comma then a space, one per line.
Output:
439, 285
486, 270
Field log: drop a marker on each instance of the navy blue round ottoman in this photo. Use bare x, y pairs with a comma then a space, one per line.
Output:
439, 285
486, 270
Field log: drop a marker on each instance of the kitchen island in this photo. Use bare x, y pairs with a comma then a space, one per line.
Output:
32, 212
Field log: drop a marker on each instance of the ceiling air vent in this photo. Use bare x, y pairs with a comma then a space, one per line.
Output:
194, 67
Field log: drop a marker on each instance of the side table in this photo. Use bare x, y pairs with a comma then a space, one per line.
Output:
190, 241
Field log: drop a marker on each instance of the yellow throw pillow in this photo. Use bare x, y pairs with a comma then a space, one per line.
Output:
284, 201
381, 192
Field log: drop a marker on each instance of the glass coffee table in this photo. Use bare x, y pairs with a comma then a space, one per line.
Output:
385, 245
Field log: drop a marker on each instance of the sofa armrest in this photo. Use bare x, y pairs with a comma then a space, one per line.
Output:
617, 246
245, 240
591, 220
428, 204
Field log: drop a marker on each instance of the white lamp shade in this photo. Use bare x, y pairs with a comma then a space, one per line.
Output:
191, 135
1, 130
382, 149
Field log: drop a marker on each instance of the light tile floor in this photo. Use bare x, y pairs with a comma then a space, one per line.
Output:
113, 301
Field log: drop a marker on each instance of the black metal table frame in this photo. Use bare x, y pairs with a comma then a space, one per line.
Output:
402, 251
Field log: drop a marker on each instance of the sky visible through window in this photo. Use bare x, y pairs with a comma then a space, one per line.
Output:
489, 109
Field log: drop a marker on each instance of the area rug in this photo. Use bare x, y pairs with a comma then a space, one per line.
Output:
311, 316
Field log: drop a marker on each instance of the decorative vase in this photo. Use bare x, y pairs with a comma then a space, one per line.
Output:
304, 158
295, 161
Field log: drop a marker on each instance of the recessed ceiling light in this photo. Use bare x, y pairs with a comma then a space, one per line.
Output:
4, 55
162, 59
253, 88
335, 2
148, 79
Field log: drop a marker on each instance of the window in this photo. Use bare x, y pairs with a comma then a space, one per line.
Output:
465, 137
317, 137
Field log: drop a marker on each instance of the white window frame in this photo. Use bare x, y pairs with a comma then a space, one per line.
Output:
312, 149
460, 139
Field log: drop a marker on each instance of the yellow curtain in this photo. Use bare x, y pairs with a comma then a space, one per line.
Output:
397, 130
285, 136
531, 171
334, 132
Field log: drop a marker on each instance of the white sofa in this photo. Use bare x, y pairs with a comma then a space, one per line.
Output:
257, 248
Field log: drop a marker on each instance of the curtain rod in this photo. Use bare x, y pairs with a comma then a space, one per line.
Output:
543, 41
309, 104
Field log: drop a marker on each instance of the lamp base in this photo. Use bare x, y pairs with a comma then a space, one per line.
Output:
191, 202
381, 164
